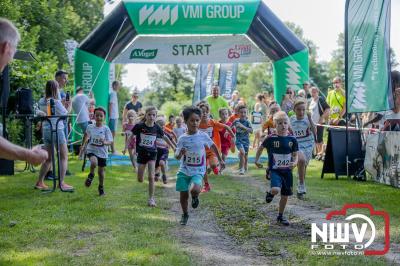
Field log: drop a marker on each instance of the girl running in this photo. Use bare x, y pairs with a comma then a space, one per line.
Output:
130, 140
98, 137
304, 130
226, 139
146, 134
162, 153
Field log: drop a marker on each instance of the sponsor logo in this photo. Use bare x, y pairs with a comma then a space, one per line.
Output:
358, 93
143, 54
292, 75
239, 50
161, 14
350, 234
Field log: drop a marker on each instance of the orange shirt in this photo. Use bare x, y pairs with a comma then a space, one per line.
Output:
169, 126
212, 129
233, 118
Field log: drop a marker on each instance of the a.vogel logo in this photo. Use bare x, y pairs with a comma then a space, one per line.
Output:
292, 74
349, 235
161, 14
143, 54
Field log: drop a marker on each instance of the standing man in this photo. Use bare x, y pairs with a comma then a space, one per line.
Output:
113, 114
306, 88
336, 99
80, 105
215, 101
9, 38
134, 104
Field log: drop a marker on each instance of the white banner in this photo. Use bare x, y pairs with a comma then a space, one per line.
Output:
191, 49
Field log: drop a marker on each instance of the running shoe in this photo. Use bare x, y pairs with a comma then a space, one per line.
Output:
195, 202
164, 179
89, 180
156, 177
101, 191
282, 220
184, 219
269, 197
215, 170
152, 202
241, 171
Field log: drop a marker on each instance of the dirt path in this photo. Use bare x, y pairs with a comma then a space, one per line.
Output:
205, 241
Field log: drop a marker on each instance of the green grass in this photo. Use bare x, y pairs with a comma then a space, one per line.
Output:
81, 228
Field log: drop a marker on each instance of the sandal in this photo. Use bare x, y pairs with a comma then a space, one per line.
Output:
67, 188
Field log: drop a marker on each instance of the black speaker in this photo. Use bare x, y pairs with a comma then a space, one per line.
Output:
24, 101
6, 167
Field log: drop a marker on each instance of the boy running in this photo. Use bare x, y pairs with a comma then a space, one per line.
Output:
191, 150
98, 137
226, 139
282, 158
243, 131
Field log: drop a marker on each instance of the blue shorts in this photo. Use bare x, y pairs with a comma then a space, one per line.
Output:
283, 180
112, 124
184, 181
242, 145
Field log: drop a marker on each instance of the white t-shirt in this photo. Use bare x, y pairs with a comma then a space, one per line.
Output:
114, 105
60, 110
97, 135
80, 104
314, 110
194, 162
179, 131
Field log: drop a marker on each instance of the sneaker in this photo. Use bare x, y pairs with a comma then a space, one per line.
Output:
215, 170
206, 188
157, 177
269, 197
164, 179
282, 220
195, 202
101, 191
301, 188
184, 219
89, 180
152, 202
241, 171
68, 173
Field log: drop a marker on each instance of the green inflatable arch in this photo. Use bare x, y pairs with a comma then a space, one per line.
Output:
193, 31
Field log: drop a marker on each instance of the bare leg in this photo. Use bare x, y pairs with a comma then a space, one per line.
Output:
246, 158
151, 172
93, 164
184, 197
282, 204
101, 173
112, 144
301, 167
140, 172
45, 167
64, 163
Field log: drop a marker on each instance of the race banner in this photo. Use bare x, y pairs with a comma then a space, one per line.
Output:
204, 81
368, 56
227, 79
194, 50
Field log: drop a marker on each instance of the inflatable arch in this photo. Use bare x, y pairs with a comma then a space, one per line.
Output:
192, 31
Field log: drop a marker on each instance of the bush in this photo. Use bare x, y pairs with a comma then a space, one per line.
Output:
173, 108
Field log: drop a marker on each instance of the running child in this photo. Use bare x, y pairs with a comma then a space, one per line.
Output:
130, 139
268, 127
191, 150
226, 139
146, 133
243, 131
180, 128
304, 130
162, 153
98, 137
212, 129
282, 158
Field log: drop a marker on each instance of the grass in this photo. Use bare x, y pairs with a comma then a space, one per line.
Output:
81, 228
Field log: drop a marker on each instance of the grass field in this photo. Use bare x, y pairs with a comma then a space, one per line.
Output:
81, 228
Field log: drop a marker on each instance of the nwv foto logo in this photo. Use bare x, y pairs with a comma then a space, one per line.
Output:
161, 14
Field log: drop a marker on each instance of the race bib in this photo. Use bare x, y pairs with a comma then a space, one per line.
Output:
301, 133
147, 141
282, 161
97, 140
193, 159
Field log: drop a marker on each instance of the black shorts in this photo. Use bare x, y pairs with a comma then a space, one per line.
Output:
101, 162
320, 134
284, 180
143, 156
162, 155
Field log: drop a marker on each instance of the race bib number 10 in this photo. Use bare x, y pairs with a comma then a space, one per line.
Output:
282, 161
147, 141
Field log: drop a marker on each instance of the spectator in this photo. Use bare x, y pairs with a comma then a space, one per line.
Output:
306, 88
134, 104
319, 110
336, 99
215, 101
113, 114
80, 106
261, 107
51, 93
234, 100
288, 100
9, 38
